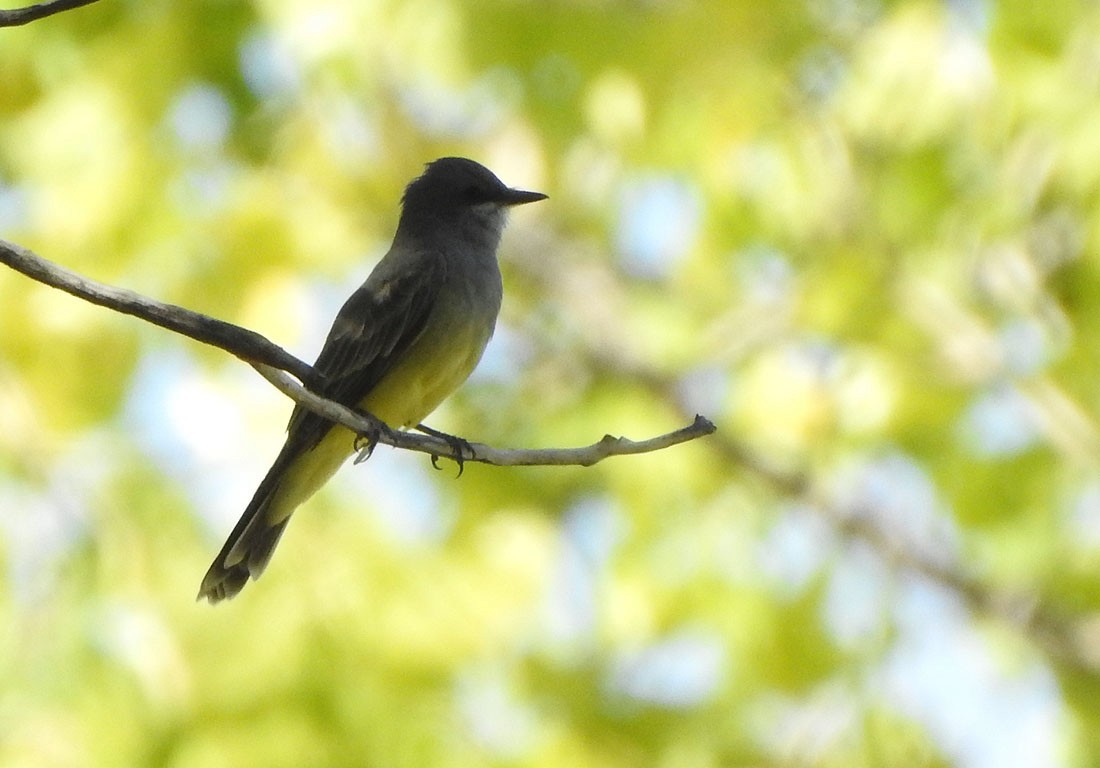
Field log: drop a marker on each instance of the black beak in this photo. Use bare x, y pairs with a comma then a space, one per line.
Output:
520, 197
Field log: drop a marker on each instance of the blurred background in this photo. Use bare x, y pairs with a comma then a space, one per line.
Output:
859, 235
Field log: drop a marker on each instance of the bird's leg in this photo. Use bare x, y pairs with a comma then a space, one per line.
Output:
366, 442
458, 447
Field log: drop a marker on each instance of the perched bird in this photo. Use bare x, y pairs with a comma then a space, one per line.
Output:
406, 339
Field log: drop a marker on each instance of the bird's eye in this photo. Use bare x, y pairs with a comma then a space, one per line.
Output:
473, 193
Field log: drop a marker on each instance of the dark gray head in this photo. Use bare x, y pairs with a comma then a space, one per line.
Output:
453, 186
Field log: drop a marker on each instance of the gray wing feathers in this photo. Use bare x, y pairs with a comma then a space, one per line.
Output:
375, 326
371, 332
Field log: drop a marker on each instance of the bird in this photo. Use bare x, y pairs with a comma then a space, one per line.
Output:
402, 342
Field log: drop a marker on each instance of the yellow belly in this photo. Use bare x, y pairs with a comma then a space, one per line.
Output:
431, 371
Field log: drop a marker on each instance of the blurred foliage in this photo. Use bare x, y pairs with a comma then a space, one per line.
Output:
859, 235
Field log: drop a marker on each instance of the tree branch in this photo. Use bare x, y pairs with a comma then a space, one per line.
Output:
584, 456
15, 17
245, 344
273, 362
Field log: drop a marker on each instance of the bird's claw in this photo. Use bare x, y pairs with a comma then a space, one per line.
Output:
364, 445
459, 448
366, 442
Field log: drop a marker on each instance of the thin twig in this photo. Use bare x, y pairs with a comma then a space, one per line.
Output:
588, 455
15, 17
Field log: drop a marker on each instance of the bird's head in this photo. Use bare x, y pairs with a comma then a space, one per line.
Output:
452, 185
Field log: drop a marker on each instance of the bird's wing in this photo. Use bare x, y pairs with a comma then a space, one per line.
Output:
371, 333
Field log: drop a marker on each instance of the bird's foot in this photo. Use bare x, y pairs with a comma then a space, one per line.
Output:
366, 442
460, 448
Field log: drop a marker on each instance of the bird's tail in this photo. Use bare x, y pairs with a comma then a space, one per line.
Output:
249, 547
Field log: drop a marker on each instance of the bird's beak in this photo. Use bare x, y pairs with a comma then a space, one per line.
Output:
520, 197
